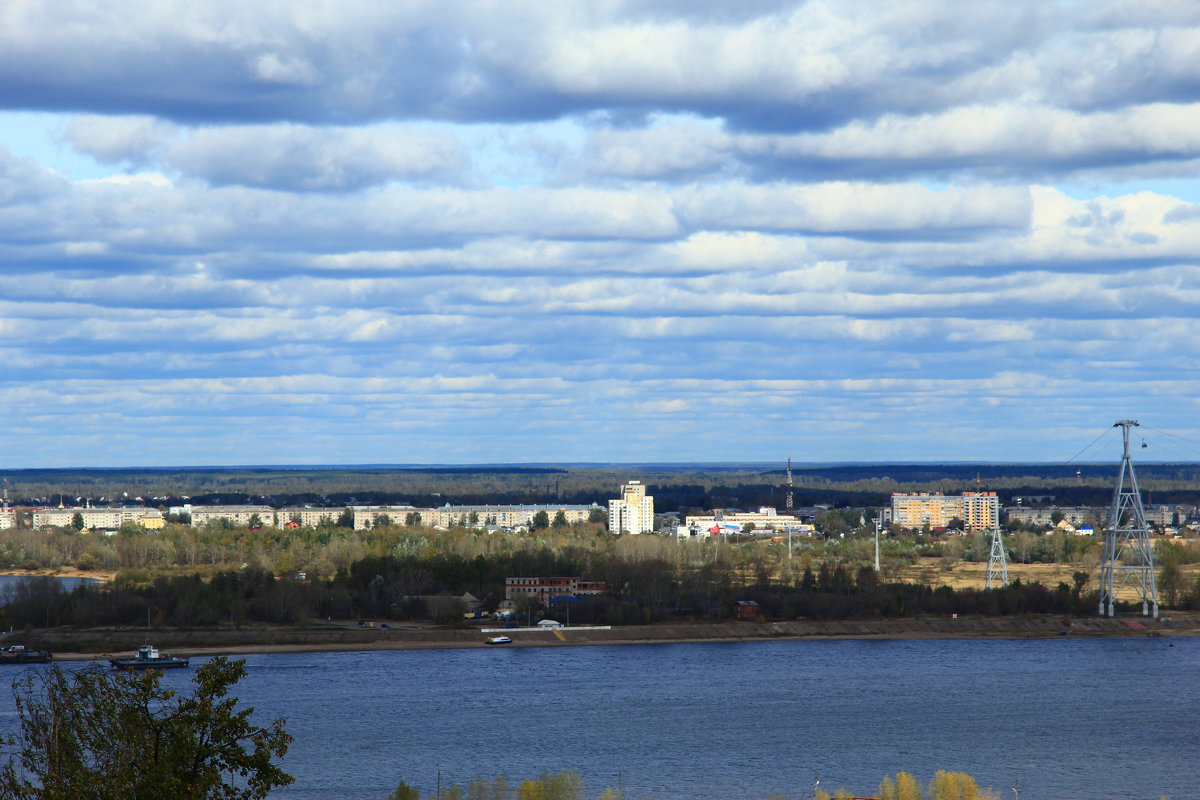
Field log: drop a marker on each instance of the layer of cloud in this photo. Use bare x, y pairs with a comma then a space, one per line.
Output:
791, 65
611, 231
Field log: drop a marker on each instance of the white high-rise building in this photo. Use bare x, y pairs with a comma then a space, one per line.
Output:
633, 512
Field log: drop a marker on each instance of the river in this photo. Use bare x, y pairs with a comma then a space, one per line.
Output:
1063, 718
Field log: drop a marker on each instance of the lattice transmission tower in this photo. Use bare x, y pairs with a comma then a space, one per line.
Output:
997, 570
1128, 558
788, 499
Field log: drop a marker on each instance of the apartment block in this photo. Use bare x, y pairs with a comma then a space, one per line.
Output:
8, 518
240, 516
977, 510
633, 512
369, 516
308, 517
504, 516
100, 518
1044, 517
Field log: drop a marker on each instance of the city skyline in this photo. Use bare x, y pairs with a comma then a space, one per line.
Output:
619, 232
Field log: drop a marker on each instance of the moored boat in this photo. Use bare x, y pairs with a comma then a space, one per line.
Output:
498, 640
18, 654
148, 657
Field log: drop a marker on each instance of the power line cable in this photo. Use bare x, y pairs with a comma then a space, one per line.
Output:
1189, 443
1103, 433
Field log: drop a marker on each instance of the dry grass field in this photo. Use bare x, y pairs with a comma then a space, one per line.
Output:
966, 575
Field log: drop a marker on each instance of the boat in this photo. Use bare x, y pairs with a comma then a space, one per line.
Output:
498, 640
148, 657
18, 654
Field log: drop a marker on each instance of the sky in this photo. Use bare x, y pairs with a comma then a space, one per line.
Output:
595, 230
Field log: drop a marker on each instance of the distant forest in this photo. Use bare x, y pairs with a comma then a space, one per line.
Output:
674, 487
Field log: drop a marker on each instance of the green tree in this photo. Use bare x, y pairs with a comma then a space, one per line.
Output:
479, 789
346, 519
77, 521
404, 792
531, 790
598, 515
907, 787
560, 520
255, 522
564, 785
1171, 583
831, 523
541, 521
97, 734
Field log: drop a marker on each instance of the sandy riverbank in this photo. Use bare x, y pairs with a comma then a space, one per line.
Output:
61, 572
91, 644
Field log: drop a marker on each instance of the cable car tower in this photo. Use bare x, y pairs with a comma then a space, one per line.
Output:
1128, 558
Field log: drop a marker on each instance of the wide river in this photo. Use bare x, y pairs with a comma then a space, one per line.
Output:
1062, 718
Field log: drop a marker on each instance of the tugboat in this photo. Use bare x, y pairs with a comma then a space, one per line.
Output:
17, 654
148, 657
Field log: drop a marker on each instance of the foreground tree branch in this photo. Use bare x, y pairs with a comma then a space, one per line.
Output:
94, 735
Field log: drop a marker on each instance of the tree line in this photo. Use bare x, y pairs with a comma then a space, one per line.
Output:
647, 583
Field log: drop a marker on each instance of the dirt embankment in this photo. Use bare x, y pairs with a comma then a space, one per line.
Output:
69, 644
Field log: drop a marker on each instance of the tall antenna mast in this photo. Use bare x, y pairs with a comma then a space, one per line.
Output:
788, 500
997, 562
1127, 549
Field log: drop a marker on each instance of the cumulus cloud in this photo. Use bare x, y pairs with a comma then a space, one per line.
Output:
303, 158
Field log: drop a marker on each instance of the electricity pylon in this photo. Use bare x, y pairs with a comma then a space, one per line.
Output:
1127, 549
997, 562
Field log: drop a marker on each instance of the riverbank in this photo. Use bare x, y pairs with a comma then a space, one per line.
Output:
85, 644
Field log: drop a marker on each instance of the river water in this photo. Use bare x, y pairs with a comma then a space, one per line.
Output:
1062, 718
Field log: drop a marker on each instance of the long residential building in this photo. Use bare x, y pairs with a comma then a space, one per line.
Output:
544, 589
241, 516
373, 516
1044, 517
307, 517
978, 510
504, 516
98, 518
1162, 515
765, 519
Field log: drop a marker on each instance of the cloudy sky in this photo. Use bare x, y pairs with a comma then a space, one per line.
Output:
650, 230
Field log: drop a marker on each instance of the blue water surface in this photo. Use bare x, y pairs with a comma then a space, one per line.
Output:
1061, 718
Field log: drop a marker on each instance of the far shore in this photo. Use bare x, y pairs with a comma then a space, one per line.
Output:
94, 644
103, 576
